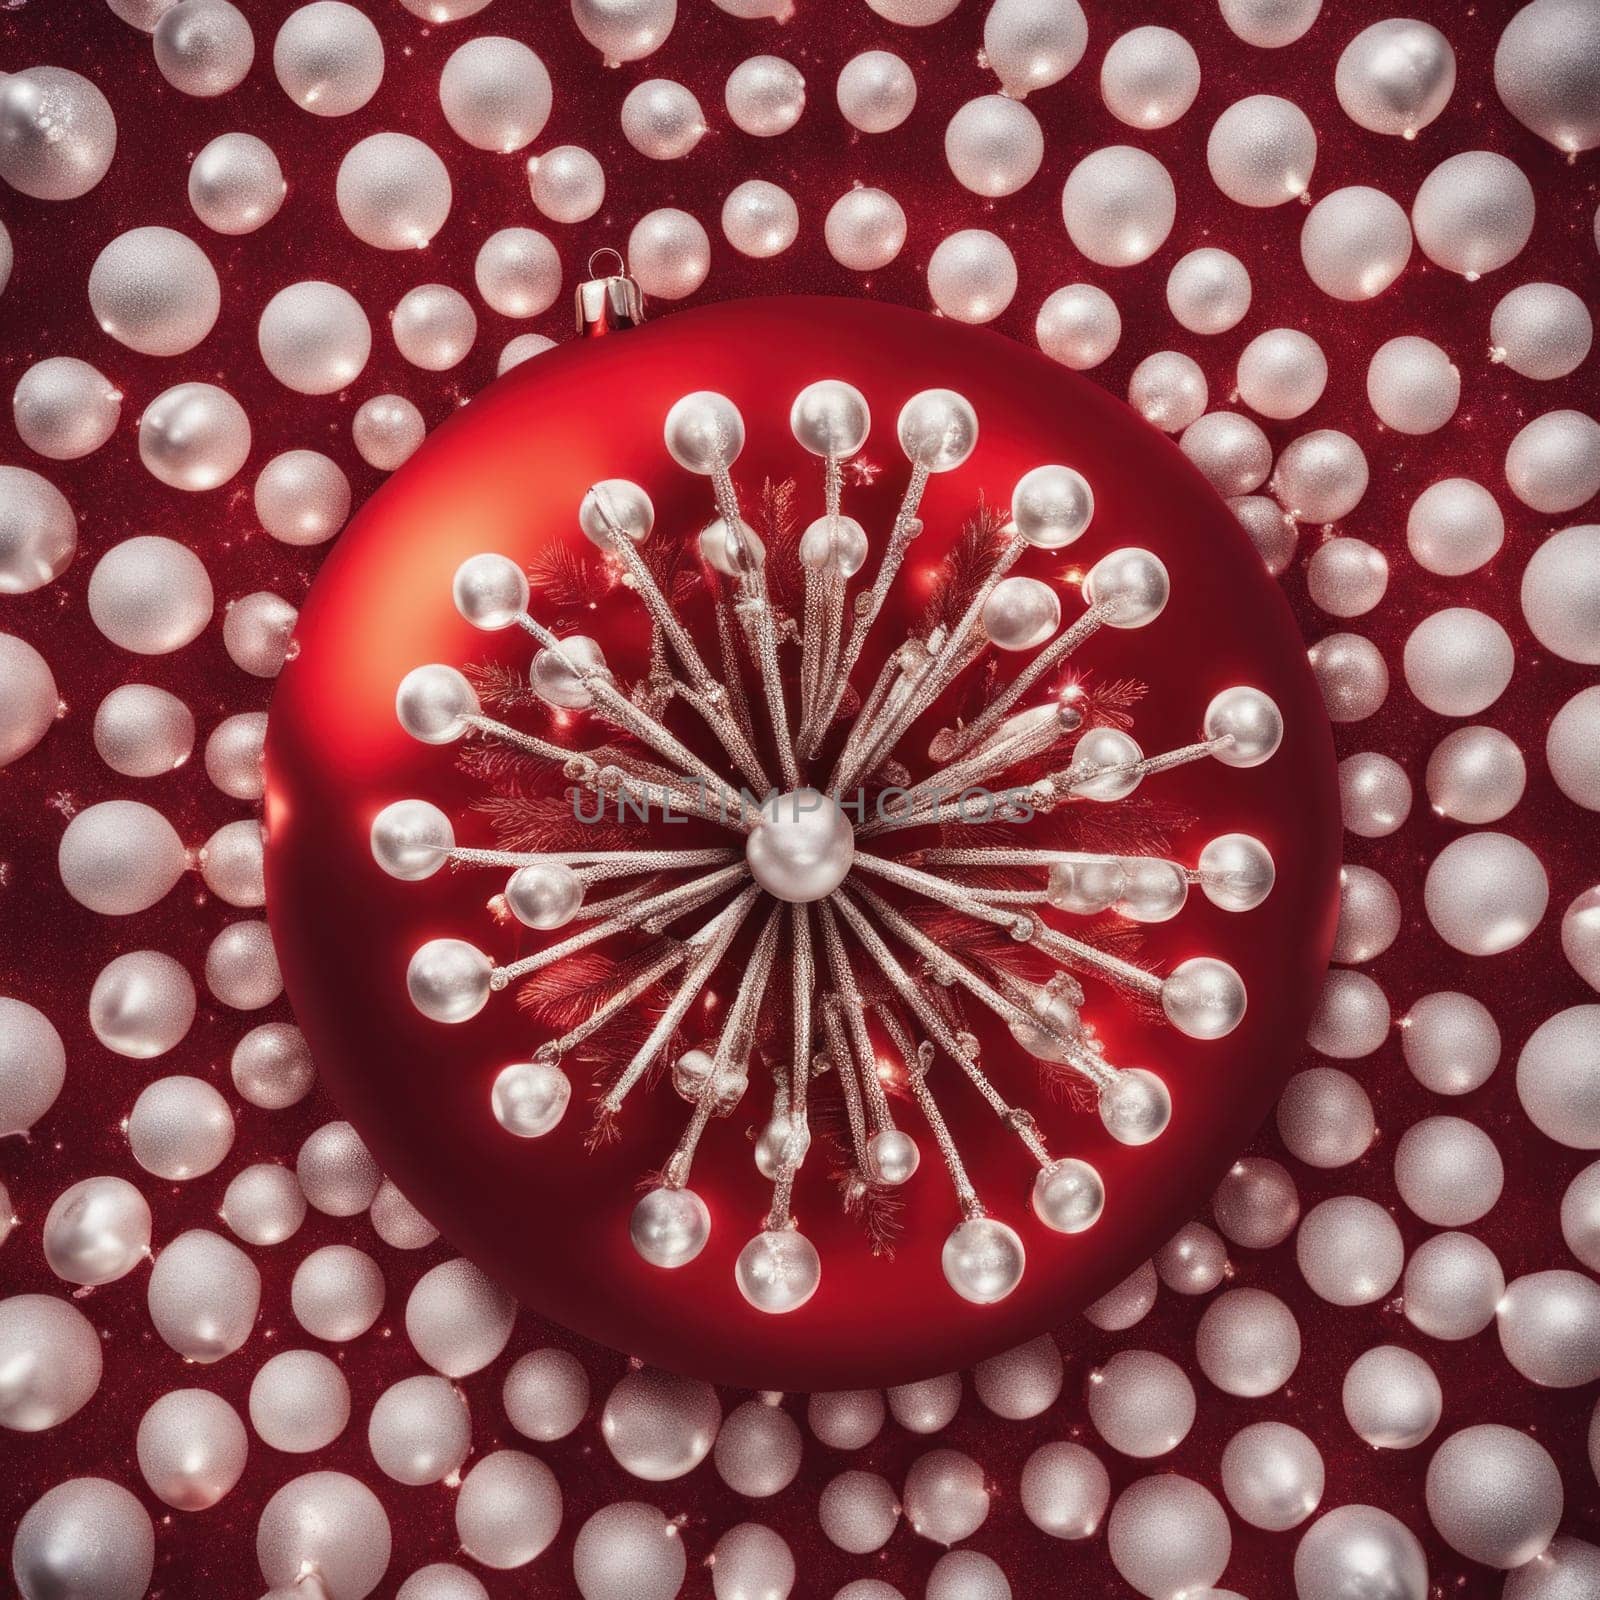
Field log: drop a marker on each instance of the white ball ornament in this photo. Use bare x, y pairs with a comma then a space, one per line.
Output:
1119, 205
264, 1204
1352, 1016
662, 120
442, 11
1350, 1251
96, 1231
386, 431
1448, 1171
1282, 373
994, 145
1064, 1490
393, 191
629, 1551
567, 183
457, 1319
203, 47
236, 184
271, 1066
546, 1394
659, 1427
1561, 594
1149, 77
967, 1575
1248, 1343
314, 337
191, 1447
1141, 1403
203, 1294
778, 1271
1126, 1303
337, 1293
1458, 661
326, 1523
1395, 76
1454, 527
1541, 330
1208, 290
1568, 1570
434, 326
972, 275
1320, 476
302, 497
1412, 385
1168, 389
241, 967
1549, 1325
397, 1222
1261, 151
1269, 528
87, 1537
120, 857
529, 1098
442, 1580
1135, 1108
1580, 936
522, 348
299, 1401
1355, 242
875, 91
1392, 1398
1230, 450
233, 755
336, 1171
858, 1512
1473, 213
669, 252
1494, 1494
1028, 46
38, 531
328, 58
1452, 1284
1256, 1205
865, 229
1347, 577
64, 408
258, 633
913, 13
1485, 893
765, 95
1168, 1535
1325, 1117
195, 436
1572, 749
1558, 1072
1356, 1547
154, 289
29, 699
1079, 326
142, 1004
752, 1562
1547, 72
1270, 24
419, 1431
625, 30
58, 133
946, 1498
1021, 1383
1352, 675
1476, 775
180, 1128
1451, 1042
1273, 1475
758, 1449
495, 94
759, 219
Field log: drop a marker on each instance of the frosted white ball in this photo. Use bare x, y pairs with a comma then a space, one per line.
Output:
1029, 46
946, 1497
64, 408
258, 633
758, 1449
86, 1537
1256, 1204
419, 1431
328, 58
142, 1004
434, 326
759, 219
1064, 1490
119, 857
925, 1406
752, 1562
203, 1294
1448, 1171
1347, 577
327, 1523
914, 13
1167, 1535
1450, 1041
1126, 1303
1374, 794
848, 1419
567, 183
1494, 1495
1395, 76
51, 1359
1458, 661
1023, 1382
1282, 373
386, 431
1349, 1251
191, 1448
233, 755
1270, 529
628, 1551
38, 531
393, 191
967, 1575
457, 1319
658, 1426
1079, 326
865, 229
180, 1128
669, 253
1568, 1570
1119, 205
1452, 1285
439, 11
263, 1204
1580, 936
1549, 1324
302, 497
96, 1231
1355, 242
442, 1580
765, 95
518, 272
271, 1066
1141, 1403
1352, 675
57, 133
1541, 330
242, 967
662, 119
1473, 213
1572, 749
858, 1512
625, 30
1476, 775
1553, 463
1261, 151
1230, 449
1369, 915
337, 1293
1558, 1077
993, 145
875, 91
1325, 1117
299, 1401
1149, 77
141, 731
1546, 72
495, 94
1168, 389
1193, 1261
1321, 476
545, 1394
1351, 1018
155, 290
1248, 1343
336, 1170
397, 1222
1412, 385
194, 436
203, 47
1485, 893
523, 348
1454, 527
1270, 24
972, 275
236, 184
1392, 1398
1208, 291
314, 337
1272, 1475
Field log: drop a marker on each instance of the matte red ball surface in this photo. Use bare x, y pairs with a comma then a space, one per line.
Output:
548, 1217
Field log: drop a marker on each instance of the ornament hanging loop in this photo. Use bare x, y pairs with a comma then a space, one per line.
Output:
607, 302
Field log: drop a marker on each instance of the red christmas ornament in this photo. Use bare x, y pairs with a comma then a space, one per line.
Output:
549, 1216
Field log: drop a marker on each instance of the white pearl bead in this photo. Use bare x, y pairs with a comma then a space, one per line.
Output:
802, 847
490, 591
1135, 1107
983, 1260
448, 980
669, 1227
495, 94
1395, 76
529, 1098
830, 418
1068, 1195
892, 1157
616, 505
1132, 584
875, 91
778, 1272
432, 702
662, 119
1052, 506
1355, 242
865, 229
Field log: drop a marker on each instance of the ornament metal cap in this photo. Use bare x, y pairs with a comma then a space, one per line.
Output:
606, 303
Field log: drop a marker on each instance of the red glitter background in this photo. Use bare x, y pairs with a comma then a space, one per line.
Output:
50, 947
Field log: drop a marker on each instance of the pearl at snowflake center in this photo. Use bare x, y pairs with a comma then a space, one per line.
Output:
802, 847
